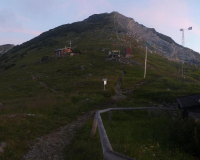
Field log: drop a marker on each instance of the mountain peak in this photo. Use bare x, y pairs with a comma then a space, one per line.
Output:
116, 28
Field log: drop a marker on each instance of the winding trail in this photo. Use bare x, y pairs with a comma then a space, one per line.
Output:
118, 90
52, 145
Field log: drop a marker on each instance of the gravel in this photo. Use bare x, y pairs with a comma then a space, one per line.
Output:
53, 145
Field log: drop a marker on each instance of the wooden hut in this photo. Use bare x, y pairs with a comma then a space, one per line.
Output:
63, 51
189, 102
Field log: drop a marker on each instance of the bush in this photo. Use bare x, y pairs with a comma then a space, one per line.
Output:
45, 59
77, 51
185, 134
10, 65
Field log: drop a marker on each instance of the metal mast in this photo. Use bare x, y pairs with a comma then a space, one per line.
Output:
183, 42
183, 38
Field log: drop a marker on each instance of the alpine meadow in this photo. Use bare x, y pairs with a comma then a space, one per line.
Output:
48, 97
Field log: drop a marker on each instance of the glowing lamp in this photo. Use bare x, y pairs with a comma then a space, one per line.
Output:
104, 82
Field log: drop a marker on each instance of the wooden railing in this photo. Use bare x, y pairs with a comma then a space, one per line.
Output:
108, 152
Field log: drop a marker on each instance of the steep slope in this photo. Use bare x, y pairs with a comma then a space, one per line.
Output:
162, 44
115, 28
38, 97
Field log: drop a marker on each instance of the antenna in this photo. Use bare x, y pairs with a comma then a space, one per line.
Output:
183, 38
183, 43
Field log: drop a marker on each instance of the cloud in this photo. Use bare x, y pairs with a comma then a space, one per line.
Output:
22, 18
85, 8
11, 22
167, 17
26, 31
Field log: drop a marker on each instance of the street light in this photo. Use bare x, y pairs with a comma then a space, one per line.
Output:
105, 82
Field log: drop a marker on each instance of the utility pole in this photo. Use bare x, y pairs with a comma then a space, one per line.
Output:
145, 63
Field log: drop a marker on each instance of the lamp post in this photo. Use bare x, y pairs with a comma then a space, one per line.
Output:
104, 82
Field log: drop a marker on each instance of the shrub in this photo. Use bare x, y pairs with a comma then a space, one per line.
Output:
44, 59
185, 134
10, 65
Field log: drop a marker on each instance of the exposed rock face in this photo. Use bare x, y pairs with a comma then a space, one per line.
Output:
5, 48
161, 44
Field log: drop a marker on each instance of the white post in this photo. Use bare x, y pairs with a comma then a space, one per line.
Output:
145, 63
104, 83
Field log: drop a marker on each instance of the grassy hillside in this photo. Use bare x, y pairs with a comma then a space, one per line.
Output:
38, 98
140, 136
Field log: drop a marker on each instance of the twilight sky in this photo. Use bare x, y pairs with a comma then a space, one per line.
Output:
22, 20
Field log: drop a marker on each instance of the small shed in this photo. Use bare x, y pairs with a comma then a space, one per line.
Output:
189, 102
127, 52
63, 51
115, 52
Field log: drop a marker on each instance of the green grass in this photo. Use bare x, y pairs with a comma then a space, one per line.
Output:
58, 91
134, 134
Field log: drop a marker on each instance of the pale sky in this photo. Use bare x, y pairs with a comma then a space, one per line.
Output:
22, 20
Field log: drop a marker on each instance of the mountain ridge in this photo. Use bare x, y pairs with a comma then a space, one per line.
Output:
126, 30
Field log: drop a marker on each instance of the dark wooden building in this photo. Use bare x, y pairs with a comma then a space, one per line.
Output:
189, 102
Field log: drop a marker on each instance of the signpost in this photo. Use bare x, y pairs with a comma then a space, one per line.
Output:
105, 82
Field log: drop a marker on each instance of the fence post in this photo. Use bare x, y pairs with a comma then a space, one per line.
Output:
94, 127
109, 116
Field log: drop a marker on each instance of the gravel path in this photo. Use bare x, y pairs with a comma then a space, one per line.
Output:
118, 90
51, 146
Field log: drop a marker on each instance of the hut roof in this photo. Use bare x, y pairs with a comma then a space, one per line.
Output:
63, 49
187, 102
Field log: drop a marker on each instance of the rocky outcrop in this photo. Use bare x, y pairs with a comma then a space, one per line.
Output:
160, 43
5, 48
